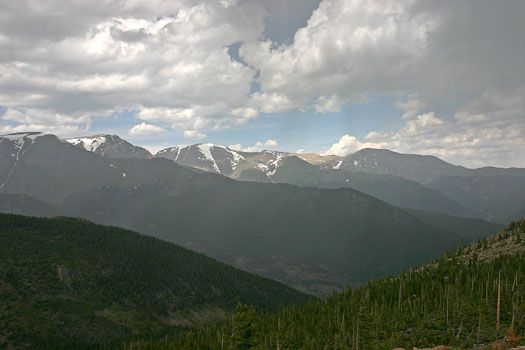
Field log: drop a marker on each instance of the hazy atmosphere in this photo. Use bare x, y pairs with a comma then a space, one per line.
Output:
442, 78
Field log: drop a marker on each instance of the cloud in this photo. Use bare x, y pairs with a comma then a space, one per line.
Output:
18, 120
193, 134
77, 60
487, 130
144, 129
351, 49
65, 130
346, 145
327, 104
410, 107
258, 147
347, 49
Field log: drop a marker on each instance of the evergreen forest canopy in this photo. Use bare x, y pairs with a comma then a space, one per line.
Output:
473, 296
66, 281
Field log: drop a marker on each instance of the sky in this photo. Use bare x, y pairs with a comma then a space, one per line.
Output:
445, 78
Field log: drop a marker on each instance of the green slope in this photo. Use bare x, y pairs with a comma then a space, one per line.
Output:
453, 301
496, 192
68, 281
467, 228
343, 229
389, 188
499, 192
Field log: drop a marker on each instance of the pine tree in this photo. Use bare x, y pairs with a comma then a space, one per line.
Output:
244, 336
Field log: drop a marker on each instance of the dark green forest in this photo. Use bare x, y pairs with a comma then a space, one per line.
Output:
68, 281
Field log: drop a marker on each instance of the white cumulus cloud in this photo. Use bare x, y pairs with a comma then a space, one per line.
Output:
487, 131
194, 135
144, 129
76, 60
257, 147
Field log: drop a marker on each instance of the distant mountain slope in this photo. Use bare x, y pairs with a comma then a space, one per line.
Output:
467, 228
392, 189
494, 191
48, 168
25, 205
343, 229
488, 193
497, 193
110, 146
281, 167
308, 276
423, 169
305, 275
515, 216
66, 281
351, 233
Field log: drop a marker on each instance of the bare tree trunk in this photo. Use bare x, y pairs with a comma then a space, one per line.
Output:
357, 336
399, 301
479, 324
499, 302
278, 329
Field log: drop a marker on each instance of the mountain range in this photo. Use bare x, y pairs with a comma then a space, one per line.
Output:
406, 180
327, 238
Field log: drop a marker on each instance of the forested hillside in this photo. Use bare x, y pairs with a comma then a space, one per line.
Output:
69, 282
474, 295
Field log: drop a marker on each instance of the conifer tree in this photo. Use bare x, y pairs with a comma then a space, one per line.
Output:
244, 336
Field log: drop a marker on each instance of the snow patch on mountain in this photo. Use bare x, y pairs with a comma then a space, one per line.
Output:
237, 158
88, 143
20, 136
172, 150
262, 166
338, 165
274, 163
205, 149
19, 141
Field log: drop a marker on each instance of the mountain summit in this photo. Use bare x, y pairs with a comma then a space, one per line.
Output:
407, 180
205, 156
111, 146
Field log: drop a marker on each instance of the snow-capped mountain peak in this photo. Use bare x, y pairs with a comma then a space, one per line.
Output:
22, 135
16, 146
205, 149
110, 146
205, 156
20, 139
89, 143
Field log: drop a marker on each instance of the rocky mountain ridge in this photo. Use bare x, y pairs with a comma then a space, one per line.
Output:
111, 146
